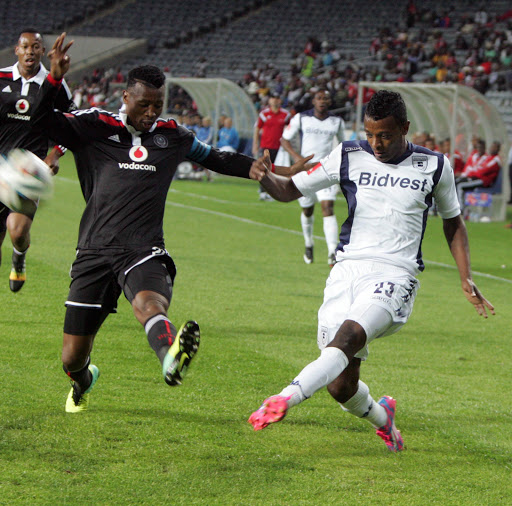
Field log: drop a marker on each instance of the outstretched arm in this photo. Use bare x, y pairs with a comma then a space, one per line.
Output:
457, 238
279, 187
55, 123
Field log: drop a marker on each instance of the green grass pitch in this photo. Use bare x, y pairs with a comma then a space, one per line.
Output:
242, 277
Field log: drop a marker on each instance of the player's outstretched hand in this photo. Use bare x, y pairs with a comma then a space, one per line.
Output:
476, 298
301, 164
261, 166
59, 58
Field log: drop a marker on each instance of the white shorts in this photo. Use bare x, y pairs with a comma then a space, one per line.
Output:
378, 296
324, 194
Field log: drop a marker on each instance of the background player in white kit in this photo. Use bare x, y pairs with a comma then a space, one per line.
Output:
317, 129
389, 184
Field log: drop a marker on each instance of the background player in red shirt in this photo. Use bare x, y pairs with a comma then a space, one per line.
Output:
268, 131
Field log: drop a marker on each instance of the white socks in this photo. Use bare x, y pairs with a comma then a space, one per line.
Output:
325, 369
362, 405
331, 232
316, 375
307, 229
19, 253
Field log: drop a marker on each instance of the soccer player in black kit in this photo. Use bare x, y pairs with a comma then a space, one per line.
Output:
19, 88
125, 164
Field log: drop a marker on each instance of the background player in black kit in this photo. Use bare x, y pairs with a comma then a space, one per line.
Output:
125, 164
19, 88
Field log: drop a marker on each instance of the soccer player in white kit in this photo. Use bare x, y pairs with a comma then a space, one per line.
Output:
389, 185
317, 129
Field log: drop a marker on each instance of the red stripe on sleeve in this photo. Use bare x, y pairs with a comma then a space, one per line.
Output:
53, 81
110, 120
167, 124
314, 168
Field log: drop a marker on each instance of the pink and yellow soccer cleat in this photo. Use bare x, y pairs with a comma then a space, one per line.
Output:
389, 433
272, 410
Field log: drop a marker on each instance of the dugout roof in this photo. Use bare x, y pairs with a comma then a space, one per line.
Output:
215, 97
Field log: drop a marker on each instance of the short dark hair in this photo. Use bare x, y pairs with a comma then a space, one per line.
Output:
321, 90
29, 30
386, 103
148, 75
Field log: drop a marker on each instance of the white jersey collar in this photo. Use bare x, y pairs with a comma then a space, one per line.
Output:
38, 78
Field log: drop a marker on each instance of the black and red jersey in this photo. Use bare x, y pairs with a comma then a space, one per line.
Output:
125, 174
17, 100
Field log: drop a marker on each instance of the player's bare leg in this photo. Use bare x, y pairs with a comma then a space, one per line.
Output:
19, 230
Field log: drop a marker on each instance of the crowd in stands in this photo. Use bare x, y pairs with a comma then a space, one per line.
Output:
480, 56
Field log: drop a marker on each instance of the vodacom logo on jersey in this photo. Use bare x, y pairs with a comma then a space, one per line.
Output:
22, 105
137, 154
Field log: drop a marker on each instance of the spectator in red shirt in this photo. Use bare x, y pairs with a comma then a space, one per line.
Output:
483, 174
268, 131
474, 158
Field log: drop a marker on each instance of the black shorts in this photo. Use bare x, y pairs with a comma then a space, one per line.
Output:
99, 277
4, 212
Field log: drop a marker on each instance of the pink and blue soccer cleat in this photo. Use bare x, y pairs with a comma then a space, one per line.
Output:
272, 410
389, 433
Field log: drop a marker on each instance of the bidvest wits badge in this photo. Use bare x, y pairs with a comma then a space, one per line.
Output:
138, 153
420, 162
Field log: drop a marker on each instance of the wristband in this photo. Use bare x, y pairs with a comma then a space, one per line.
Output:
54, 82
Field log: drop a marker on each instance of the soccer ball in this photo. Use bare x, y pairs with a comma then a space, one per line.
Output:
23, 176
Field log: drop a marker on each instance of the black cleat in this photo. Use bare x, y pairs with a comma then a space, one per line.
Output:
18, 274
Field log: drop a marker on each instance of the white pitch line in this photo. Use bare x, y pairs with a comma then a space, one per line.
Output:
213, 199
275, 227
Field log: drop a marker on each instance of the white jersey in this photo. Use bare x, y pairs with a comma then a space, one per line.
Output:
316, 135
387, 202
